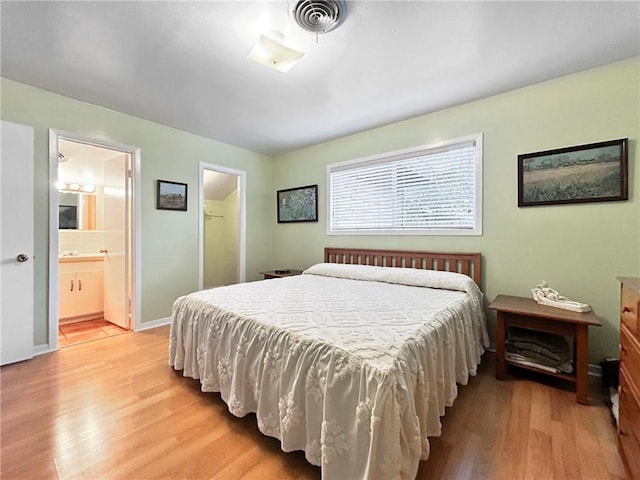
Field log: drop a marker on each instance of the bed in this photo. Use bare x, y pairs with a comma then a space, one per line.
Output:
353, 362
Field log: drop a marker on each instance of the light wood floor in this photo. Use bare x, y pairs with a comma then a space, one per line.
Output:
113, 408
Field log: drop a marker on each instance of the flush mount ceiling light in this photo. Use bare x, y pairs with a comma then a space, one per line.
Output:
318, 16
270, 51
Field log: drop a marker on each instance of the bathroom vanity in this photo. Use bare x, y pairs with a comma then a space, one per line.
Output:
81, 286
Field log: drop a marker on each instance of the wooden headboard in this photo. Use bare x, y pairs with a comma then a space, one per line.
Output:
466, 263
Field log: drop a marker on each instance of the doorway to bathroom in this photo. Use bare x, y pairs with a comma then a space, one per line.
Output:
222, 226
92, 252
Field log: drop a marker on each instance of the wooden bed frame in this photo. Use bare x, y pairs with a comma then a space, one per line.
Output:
465, 263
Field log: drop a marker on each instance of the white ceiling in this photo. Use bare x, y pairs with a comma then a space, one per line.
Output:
84, 164
184, 64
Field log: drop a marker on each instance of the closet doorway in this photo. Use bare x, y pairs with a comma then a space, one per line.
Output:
222, 226
92, 222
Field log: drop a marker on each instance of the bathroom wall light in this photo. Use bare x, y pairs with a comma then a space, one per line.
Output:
273, 54
76, 187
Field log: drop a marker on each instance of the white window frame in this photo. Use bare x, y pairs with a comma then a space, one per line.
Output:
409, 152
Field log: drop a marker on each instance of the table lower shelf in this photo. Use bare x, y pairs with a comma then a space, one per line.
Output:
564, 376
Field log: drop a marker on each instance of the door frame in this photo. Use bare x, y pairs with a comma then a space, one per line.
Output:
135, 213
242, 219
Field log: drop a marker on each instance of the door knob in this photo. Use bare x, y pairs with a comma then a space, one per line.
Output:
22, 257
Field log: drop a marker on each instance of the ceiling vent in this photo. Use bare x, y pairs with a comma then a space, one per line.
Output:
318, 16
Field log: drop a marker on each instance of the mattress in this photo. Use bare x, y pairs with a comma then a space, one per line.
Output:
352, 364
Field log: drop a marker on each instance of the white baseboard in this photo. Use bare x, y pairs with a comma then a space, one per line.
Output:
593, 370
42, 349
161, 322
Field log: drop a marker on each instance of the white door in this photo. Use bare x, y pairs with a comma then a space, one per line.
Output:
16, 243
116, 261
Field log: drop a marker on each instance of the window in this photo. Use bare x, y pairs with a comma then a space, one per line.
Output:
429, 190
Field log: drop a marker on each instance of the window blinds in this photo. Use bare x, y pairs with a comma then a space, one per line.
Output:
428, 189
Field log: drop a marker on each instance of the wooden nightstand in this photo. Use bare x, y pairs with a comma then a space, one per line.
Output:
526, 313
286, 272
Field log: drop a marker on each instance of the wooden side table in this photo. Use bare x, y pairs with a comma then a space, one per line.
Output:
526, 313
285, 272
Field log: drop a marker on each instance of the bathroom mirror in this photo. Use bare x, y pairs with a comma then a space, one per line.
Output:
76, 211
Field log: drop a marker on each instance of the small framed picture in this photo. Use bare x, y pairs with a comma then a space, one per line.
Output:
171, 196
298, 204
596, 172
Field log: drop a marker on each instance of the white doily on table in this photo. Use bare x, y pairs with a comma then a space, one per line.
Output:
546, 295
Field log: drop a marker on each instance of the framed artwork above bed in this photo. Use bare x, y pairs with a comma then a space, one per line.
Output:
298, 204
596, 172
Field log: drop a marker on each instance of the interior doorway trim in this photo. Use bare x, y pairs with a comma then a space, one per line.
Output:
242, 220
136, 241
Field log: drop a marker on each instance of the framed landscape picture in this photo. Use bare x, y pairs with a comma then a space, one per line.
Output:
596, 172
298, 204
171, 196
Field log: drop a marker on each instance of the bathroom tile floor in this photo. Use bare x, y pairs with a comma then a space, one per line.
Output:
73, 333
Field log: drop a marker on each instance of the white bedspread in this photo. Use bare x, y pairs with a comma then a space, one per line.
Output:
354, 371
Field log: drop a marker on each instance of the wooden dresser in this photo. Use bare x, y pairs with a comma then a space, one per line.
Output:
629, 413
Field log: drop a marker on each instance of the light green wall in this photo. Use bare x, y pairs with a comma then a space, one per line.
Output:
169, 238
578, 249
220, 246
213, 245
